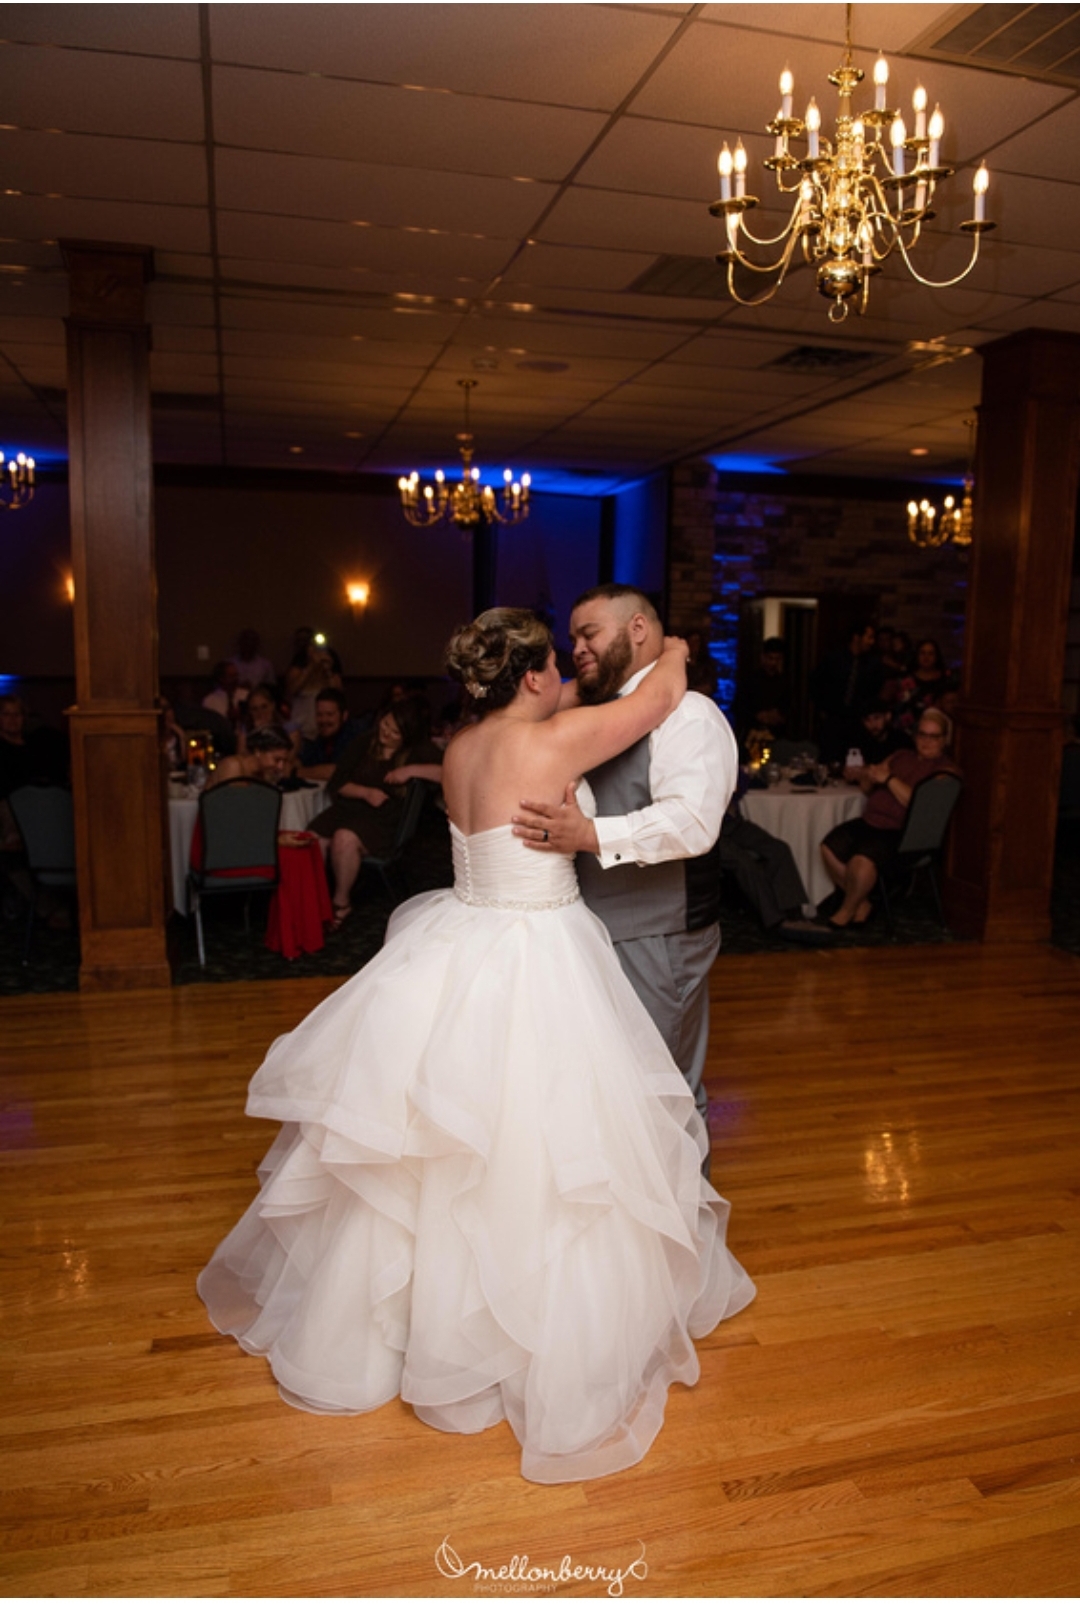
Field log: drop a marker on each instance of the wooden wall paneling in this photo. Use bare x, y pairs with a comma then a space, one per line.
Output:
116, 770
1010, 723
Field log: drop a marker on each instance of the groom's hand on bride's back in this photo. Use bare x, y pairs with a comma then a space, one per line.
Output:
549, 828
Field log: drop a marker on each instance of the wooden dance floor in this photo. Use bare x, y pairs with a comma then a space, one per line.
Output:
897, 1414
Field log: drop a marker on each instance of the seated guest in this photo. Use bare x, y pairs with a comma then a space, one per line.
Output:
172, 737
190, 715
252, 667
228, 695
335, 732
268, 756
928, 685
874, 736
858, 851
264, 710
28, 756
368, 792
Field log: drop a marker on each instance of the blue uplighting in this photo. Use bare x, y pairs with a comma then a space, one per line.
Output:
9, 684
733, 463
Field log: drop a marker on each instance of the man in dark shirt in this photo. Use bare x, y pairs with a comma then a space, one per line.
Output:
842, 686
875, 736
335, 730
763, 702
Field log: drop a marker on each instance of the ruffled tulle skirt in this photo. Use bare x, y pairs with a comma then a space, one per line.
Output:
486, 1195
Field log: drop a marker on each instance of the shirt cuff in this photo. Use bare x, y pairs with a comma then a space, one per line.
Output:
614, 841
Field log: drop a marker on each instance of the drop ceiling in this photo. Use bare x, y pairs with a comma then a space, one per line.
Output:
353, 207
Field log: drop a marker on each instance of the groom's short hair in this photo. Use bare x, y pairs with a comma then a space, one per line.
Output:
612, 592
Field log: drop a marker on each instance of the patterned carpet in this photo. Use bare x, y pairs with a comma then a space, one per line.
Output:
236, 954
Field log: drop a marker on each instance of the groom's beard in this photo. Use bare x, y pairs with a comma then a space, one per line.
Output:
610, 674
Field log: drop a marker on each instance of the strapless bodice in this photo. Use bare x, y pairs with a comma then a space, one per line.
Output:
494, 869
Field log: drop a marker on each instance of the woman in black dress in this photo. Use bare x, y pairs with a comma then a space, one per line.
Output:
368, 792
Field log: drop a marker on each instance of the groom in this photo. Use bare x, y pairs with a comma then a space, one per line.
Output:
648, 861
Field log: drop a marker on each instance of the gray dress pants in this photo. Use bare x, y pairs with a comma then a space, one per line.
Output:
671, 976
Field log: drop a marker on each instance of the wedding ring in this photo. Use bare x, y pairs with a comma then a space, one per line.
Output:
545, 835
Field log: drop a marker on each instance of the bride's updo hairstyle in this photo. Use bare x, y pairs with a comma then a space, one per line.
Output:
491, 656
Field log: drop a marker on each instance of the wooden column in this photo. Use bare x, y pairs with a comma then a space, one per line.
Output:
1010, 725
120, 817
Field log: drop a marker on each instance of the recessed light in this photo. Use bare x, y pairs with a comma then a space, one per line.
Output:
353, 434
920, 451
296, 451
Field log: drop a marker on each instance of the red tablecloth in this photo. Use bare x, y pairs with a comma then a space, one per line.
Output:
301, 904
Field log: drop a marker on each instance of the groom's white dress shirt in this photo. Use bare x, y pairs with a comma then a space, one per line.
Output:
693, 769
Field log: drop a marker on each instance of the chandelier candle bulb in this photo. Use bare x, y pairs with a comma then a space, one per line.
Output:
881, 80
740, 171
937, 128
813, 125
981, 183
918, 101
787, 90
897, 136
725, 164
781, 139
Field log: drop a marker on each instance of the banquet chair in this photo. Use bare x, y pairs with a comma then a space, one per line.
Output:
389, 865
238, 828
46, 820
922, 839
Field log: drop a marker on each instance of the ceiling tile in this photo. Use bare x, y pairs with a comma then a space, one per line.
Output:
106, 169
398, 126
577, 55
157, 30
94, 93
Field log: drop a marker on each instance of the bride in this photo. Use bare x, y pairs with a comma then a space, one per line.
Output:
486, 1195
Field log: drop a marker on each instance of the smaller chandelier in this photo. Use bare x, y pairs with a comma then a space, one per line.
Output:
468, 503
927, 527
16, 481
858, 197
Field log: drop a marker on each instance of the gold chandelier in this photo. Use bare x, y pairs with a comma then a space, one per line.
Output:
856, 198
16, 481
926, 527
468, 503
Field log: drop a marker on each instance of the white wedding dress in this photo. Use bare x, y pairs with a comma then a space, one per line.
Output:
486, 1196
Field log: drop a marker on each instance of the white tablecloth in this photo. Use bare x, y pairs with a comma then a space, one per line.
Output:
803, 818
298, 808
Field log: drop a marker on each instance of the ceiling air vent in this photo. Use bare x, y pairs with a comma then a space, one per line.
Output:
825, 359
1038, 42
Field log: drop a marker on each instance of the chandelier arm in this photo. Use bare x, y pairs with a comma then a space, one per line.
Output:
779, 268
938, 284
790, 227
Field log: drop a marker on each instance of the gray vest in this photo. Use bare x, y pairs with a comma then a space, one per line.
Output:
653, 899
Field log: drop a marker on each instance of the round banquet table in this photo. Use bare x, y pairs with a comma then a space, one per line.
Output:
803, 816
298, 808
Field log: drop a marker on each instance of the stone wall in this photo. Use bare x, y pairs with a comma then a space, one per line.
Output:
727, 545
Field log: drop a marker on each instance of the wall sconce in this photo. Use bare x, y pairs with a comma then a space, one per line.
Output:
69, 587
359, 594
